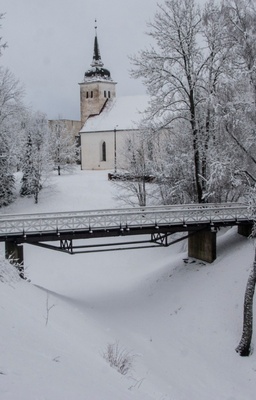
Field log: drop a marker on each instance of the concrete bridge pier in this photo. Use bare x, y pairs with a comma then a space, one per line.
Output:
202, 245
245, 229
14, 253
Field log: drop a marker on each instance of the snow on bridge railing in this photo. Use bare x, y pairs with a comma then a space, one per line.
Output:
122, 218
132, 210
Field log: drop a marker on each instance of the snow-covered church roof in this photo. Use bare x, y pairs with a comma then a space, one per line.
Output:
122, 113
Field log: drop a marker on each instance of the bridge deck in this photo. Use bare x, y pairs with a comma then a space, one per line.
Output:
129, 221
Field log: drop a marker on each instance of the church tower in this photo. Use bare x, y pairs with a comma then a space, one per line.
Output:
97, 87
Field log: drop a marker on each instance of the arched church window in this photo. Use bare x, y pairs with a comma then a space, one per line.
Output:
91, 94
109, 94
105, 93
87, 95
103, 152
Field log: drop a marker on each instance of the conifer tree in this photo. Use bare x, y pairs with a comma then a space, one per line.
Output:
27, 178
7, 181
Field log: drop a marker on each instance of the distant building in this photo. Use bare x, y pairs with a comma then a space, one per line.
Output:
71, 126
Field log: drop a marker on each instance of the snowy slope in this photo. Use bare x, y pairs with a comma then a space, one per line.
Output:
181, 321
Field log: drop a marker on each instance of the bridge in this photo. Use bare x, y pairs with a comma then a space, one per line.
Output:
100, 230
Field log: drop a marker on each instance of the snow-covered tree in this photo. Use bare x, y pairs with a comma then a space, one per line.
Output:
172, 72
191, 75
11, 110
244, 346
240, 124
36, 162
172, 166
133, 172
7, 182
27, 169
239, 106
181, 73
2, 44
64, 148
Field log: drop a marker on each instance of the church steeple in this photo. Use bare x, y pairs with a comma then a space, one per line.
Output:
97, 71
97, 87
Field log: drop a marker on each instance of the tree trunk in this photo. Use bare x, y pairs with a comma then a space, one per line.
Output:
244, 346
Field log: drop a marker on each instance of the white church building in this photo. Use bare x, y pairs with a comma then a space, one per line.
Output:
107, 120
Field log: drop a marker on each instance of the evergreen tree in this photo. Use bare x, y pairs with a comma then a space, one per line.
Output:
27, 168
7, 181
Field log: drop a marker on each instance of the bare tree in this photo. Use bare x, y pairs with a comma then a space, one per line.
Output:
11, 108
64, 148
133, 172
11, 94
37, 162
244, 347
3, 45
171, 71
181, 74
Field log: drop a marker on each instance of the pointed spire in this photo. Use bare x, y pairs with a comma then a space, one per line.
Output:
97, 71
96, 60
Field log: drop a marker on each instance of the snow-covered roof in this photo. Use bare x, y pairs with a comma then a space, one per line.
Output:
122, 113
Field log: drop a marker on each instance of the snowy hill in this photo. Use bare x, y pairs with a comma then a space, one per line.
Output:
180, 321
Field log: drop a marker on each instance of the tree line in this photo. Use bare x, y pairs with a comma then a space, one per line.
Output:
26, 142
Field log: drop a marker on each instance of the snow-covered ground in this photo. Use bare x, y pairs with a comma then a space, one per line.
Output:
180, 321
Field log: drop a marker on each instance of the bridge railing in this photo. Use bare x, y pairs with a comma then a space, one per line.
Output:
122, 218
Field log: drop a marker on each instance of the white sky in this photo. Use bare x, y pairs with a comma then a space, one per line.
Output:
50, 46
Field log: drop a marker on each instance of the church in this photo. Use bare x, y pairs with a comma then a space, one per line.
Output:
106, 119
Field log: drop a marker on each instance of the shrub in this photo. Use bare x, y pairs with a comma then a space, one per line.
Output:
119, 358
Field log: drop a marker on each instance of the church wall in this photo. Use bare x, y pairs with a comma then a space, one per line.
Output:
92, 145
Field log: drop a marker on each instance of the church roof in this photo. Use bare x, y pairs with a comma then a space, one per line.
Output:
122, 113
97, 73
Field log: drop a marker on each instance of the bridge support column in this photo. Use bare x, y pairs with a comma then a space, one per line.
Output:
202, 245
14, 253
245, 229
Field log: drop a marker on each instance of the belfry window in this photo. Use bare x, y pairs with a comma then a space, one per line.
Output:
105, 93
87, 95
109, 94
103, 152
91, 94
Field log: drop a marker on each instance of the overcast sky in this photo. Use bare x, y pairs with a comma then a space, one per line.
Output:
50, 46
